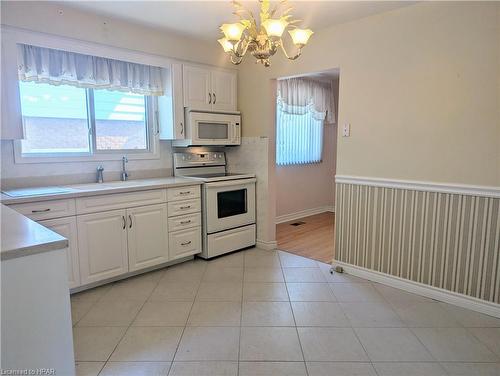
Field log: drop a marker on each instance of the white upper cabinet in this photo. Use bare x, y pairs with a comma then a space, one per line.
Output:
209, 89
170, 114
11, 124
197, 88
223, 90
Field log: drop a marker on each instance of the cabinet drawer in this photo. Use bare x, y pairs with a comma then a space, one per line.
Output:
184, 221
183, 193
46, 209
184, 207
184, 243
230, 240
114, 201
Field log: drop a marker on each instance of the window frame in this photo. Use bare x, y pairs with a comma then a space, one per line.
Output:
152, 139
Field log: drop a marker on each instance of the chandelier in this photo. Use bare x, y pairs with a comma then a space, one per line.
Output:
262, 40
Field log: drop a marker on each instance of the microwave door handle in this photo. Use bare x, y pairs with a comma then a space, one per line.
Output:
235, 130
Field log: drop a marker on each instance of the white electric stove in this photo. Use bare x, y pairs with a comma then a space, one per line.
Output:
228, 201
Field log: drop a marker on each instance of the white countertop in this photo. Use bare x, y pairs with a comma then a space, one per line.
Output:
20, 236
94, 189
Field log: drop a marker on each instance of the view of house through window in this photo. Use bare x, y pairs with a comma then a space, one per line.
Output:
76, 121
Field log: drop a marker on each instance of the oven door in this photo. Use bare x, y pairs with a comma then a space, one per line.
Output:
229, 204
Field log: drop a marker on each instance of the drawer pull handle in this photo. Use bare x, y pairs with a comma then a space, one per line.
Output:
186, 243
185, 193
185, 207
124, 222
185, 222
41, 211
130, 219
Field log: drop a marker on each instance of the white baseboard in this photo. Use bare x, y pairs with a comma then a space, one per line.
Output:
268, 246
304, 213
432, 292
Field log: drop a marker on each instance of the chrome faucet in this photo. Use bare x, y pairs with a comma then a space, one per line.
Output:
124, 175
100, 177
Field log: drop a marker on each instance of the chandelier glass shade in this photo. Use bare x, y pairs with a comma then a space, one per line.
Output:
264, 39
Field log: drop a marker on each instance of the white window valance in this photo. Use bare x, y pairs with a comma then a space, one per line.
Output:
299, 96
59, 67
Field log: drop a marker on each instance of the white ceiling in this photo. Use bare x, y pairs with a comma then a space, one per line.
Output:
200, 19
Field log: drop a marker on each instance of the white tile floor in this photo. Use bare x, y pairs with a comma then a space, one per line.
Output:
272, 313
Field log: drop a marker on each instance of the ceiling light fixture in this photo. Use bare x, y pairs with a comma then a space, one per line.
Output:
263, 40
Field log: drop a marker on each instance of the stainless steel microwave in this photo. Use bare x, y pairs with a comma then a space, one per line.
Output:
210, 128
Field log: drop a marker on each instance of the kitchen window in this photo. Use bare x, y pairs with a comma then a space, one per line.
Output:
70, 121
78, 107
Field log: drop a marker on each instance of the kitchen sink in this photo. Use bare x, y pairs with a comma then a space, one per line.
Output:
119, 183
88, 187
37, 191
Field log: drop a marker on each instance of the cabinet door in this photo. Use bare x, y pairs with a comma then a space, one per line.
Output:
170, 110
102, 245
197, 93
67, 227
147, 236
223, 90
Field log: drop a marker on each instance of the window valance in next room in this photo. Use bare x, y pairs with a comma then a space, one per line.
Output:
59, 67
299, 96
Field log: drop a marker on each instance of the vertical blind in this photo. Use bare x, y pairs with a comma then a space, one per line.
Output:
299, 138
302, 107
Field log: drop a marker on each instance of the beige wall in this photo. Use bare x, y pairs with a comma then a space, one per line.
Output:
420, 87
45, 17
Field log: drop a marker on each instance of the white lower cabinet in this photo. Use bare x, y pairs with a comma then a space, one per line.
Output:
147, 236
136, 230
67, 227
185, 243
102, 245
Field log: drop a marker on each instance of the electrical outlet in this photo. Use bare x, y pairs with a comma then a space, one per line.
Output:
346, 131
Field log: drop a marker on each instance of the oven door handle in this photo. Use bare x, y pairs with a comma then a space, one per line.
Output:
230, 183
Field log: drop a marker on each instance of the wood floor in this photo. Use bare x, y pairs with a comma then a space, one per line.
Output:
313, 239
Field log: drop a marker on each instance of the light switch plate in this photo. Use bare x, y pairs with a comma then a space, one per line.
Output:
346, 131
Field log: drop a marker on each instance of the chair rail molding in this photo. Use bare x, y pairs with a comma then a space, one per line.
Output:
425, 186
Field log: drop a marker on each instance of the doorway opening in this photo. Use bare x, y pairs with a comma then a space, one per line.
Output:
306, 151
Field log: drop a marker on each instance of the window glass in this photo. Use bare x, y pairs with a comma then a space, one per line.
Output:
59, 120
230, 203
55, 119
120, 120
